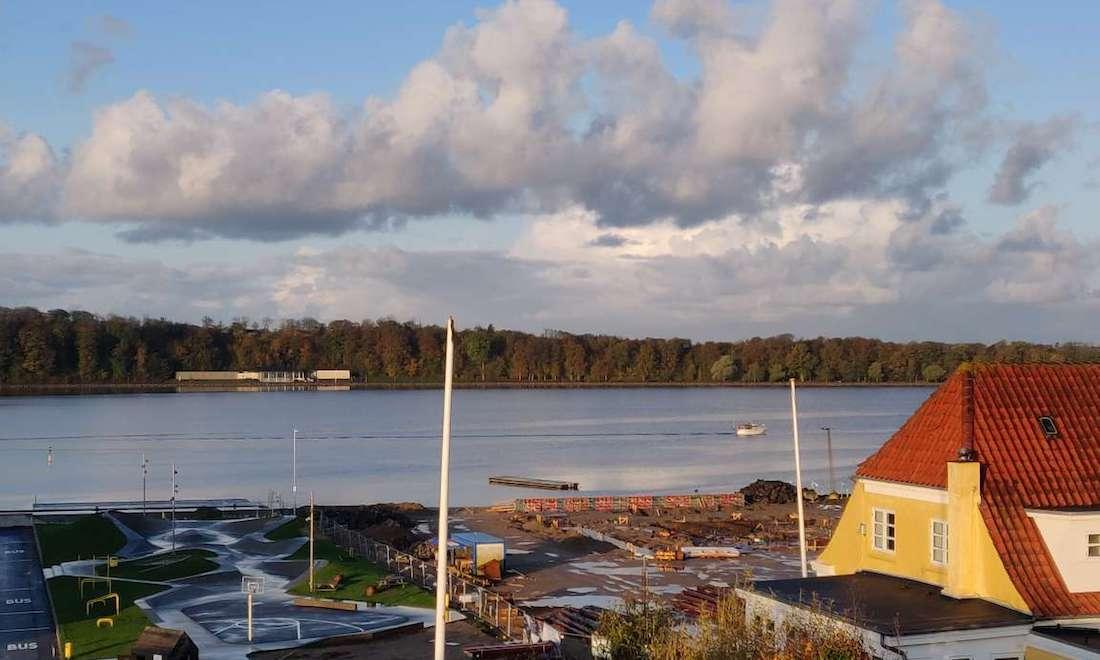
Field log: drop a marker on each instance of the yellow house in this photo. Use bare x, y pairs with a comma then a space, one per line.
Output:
974, 532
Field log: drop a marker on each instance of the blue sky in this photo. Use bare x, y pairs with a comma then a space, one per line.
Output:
1036, 65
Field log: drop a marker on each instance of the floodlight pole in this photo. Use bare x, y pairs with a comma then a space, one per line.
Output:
444, 486
798, 483
294, 468
311, 541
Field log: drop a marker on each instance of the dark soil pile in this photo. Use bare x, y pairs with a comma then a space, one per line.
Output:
388, 523
769, 491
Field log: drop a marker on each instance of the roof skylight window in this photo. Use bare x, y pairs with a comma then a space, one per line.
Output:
1046, 422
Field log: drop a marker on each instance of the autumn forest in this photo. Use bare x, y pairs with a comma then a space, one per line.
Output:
75, 347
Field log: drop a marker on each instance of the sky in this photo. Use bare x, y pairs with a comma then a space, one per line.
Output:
693, 168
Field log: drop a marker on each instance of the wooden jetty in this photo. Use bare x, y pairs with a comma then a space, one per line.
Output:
529, 482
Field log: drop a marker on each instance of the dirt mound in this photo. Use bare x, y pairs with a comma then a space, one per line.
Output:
392, 533
410, 507
769, 491
388, 523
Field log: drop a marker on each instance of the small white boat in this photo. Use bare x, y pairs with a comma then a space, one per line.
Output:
750, 428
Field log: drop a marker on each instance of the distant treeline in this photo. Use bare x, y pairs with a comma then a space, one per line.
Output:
61, 347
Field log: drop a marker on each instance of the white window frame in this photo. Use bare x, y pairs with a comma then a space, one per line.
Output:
932, 542
1089, 545
887, 537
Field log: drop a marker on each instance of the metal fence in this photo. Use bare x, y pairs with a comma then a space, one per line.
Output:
464, 594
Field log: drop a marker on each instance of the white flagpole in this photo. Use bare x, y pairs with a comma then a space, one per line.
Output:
798, 483
444, 469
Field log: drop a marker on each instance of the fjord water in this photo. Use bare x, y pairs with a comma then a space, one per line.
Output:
374, 445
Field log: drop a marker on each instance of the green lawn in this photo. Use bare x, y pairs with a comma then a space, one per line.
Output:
79, 627
357, 575
291, 529
80, 539
323, 549
164, 566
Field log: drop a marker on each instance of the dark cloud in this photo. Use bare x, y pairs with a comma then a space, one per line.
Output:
85, 60
887, 276
142, 287
113, 26
608, 240
1034, 145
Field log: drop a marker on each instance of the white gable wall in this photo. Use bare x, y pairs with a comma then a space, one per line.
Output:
1066, 534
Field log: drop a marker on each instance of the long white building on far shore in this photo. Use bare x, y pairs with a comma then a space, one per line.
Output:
319, 376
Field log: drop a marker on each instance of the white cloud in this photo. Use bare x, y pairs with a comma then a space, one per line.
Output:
519, 113
29, 177
770, 193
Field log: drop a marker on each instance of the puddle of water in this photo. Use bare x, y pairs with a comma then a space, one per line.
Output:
606, 568
606, 602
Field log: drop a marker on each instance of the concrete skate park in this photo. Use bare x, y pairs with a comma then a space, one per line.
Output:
210, 605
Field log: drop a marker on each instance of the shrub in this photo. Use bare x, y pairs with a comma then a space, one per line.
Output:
635, 632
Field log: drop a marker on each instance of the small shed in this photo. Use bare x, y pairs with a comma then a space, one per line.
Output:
156, 643
482, 550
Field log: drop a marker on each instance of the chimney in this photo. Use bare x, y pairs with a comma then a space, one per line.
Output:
964, 487
967, 452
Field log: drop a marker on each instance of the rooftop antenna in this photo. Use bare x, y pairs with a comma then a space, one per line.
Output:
798, 482
444, 468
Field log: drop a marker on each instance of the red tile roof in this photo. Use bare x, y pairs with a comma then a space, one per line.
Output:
1022, 467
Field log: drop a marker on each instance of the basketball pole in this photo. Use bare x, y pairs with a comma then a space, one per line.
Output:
249, 616
444, 469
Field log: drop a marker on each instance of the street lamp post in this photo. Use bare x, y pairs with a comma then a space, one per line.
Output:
311, 541
175, 491
829, 446
144, 478
294, 469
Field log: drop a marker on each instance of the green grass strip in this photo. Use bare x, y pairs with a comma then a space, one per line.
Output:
80, 539
165, 566
356, 576
291, 529
78, 626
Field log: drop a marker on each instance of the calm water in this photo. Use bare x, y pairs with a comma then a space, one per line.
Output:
365, 446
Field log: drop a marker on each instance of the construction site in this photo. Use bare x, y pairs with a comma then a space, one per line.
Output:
542, 571
529, 578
